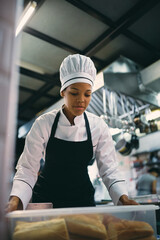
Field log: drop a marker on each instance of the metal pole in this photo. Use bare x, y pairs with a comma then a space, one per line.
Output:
8, 103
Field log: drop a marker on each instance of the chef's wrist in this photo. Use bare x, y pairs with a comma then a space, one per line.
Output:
17, 201
124, 199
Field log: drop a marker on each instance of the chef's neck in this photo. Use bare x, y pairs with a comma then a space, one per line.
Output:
68, 115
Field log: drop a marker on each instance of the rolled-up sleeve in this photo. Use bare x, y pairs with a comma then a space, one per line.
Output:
107, 163
28, 165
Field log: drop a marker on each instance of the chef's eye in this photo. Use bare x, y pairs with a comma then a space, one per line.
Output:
87, 95
74, 94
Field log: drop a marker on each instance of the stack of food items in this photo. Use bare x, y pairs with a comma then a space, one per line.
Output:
84, 227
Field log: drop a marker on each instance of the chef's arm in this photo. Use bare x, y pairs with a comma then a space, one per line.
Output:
124, 200
107, 163
14, 204
27, 169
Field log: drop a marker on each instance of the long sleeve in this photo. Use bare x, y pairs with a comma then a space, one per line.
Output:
108, 164
28, 165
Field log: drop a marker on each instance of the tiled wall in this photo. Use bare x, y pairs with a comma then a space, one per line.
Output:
8, 101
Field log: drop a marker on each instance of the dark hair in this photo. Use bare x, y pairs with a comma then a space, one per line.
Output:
154, 169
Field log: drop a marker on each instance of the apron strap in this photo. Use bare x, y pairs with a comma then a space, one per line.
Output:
89, 138
54, 127
87, 128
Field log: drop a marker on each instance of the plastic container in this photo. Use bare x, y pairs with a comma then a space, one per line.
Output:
117, 222
35, 206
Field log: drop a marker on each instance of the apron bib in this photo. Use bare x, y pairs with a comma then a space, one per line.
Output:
64, 180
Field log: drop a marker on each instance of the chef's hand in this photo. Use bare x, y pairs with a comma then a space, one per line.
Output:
14, 204
126, 201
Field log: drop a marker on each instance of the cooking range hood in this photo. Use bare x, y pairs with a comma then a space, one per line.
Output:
128, 78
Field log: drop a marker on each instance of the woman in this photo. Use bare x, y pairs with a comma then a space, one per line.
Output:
147, 183
68, 139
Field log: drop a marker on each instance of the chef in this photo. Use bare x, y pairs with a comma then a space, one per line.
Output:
68, 139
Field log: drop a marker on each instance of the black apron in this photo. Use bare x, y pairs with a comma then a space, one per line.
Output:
64, 180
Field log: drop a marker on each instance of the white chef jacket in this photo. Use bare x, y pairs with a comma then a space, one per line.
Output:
35, 146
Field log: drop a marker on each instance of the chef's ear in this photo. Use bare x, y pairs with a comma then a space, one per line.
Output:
62, 94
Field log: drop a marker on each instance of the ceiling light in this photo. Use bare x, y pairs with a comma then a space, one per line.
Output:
26, 16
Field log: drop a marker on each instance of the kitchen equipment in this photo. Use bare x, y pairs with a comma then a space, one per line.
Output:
124, 147
102, 214
33, 206
151, 199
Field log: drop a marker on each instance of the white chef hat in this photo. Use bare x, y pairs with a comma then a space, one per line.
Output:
77, 68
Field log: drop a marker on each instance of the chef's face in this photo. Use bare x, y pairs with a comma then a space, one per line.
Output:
76, 98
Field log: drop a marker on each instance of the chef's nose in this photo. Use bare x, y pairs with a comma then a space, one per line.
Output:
80, 98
